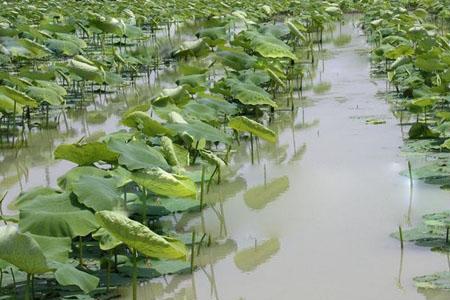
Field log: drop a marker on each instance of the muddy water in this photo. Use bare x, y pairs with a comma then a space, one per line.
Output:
317, 225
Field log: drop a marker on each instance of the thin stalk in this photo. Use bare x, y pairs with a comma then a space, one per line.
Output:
210, 178
134, 253
251, 148
80, 251
14, 281
192, 251
202, 187
108, 271
27, 287
400, 232
446, 235
200, 243
410, 174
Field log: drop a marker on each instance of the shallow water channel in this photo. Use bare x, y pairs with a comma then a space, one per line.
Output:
311, 218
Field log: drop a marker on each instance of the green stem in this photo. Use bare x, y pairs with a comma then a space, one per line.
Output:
80, 251
202, 188
134, 253
108, 270
251, 148
14, 281
27, 287
400, 232
192, 251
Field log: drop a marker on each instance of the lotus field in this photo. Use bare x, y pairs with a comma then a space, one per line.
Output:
145, 143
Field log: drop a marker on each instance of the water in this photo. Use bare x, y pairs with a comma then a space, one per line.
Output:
326, 236
322, 232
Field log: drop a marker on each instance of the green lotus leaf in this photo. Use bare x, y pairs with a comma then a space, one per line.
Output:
136, 155
142, 121
250, 94
435, 281
18, 96
22, 251
29, 195
63, 47
73, 175
168, 150
243, 123
58, 215
236, 59
212, 158
7, 105
85, 154
200, 130
106, 240
97, 193
140, 237
54, 248
163, 183
67, 275
249, 259
47, 95
86, 71
421, 131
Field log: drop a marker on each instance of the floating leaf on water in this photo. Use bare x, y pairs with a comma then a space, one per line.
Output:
435, 281
67, 274
375, 121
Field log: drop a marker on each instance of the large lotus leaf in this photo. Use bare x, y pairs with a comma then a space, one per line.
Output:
47, 95
72, 38
63, 47
140, 237
29, 195
67, 180
430, 64
212, 158
136, 155
109, 25
165, 267
249, 259
271, 47
199, 111
200, 130
23, 48
213, 33
54, 248
85, 154
58, 215
257, 77
421, 131
420, 233
7, 105
435, 281
22, 251
18, 96
236, 59
164, 206
440, 219
67, 274
250, 94
259, 197
243, 123
142, 121
97, 193
189, 48
193, 80
51, 85
220, 105
86, 71
163, 183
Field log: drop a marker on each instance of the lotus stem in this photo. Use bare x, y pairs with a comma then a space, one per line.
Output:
446, 235
32, 287
202, 187
108, 271
200, 243
80, 251
209, 241
251, 148
14, 281
410, 173
192, 251
265, 175
27, 287
400, 232
210, 178
134, 280
227, 156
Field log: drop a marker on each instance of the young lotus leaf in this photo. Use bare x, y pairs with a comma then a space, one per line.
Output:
163, 183
258, 197
142, 121
67, 274
97, 193
18, 96
57, 215
22, 251
140, 237
137, 155
199, 130
243, 123
249, 259
85, 154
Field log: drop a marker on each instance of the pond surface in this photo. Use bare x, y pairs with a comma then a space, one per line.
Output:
311, 218
318, 227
